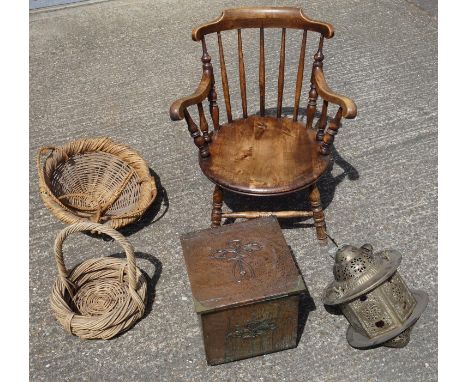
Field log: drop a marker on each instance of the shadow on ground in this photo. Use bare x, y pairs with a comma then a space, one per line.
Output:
306, 303
148, 218
299, 200
151, 215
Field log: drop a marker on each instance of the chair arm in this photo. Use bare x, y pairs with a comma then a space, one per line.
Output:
178, 107
348, 105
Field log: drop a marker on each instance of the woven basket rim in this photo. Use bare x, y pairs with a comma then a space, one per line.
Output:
75, 274
60, 154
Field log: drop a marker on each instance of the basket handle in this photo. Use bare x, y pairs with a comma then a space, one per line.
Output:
88, 226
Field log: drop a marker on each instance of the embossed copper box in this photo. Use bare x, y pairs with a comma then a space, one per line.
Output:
245, 287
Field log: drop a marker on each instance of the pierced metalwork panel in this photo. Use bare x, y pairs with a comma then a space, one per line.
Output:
399, 295
352, 318
352, 263
372, 314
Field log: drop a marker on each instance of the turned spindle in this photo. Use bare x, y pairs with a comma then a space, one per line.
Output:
313, 95
224, 79
242, 82
279, 104
261, 72
332, 130
322, 122
197, 137
300, 73
203, 123
312, 104
212, 95
318, 56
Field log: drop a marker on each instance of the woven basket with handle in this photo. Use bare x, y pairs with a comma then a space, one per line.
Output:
96, 180
101, 297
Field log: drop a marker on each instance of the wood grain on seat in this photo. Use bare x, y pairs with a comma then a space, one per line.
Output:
264, 155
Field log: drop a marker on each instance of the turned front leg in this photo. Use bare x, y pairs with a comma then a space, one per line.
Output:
217, 204
318, 215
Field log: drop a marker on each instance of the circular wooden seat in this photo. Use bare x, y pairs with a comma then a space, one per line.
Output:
264, 156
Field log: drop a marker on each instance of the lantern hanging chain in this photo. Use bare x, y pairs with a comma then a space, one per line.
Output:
333, 251
332, 240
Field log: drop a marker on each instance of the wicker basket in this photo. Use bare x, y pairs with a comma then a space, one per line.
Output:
96, 180
101, 297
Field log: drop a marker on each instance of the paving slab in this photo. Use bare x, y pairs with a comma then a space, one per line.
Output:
113, 68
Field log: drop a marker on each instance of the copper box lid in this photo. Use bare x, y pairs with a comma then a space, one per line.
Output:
240, 263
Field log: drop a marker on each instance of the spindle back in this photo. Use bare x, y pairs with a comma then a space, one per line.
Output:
261, 18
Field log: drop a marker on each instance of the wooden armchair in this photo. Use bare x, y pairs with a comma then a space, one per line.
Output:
258, 154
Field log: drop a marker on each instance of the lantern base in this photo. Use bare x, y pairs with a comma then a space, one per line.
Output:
360, 341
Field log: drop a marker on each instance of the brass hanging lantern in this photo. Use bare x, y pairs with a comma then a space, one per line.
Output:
373, 297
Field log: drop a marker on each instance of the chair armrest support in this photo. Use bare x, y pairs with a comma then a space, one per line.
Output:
348, 105
178, 107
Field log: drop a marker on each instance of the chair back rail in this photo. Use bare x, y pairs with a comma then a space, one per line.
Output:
259, 17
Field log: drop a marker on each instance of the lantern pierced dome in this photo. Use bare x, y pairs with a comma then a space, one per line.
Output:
351, 262
359, 270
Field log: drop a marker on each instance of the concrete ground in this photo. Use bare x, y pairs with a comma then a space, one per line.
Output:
113, 68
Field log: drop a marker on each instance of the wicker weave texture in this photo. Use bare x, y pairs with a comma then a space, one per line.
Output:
101, 297
96, 180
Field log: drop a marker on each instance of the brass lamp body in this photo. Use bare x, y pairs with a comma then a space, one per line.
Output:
374, 298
